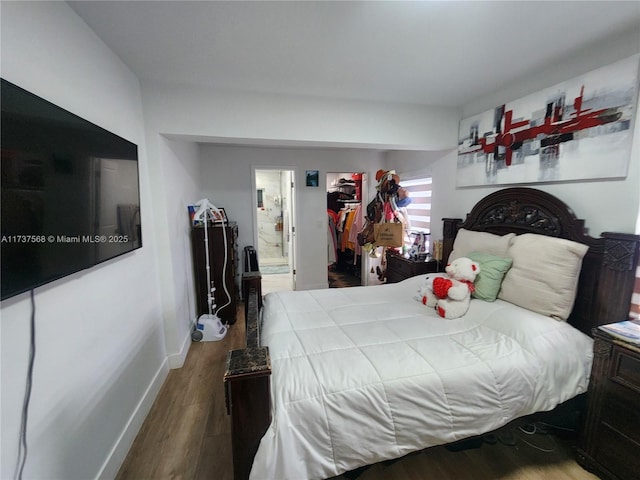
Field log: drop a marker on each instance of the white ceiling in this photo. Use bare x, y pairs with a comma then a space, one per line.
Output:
444, 53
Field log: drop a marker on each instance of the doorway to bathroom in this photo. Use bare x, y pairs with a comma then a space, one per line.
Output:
274, 227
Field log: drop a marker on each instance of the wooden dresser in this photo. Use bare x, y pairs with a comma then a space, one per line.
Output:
216, 242
400, 268
610, 436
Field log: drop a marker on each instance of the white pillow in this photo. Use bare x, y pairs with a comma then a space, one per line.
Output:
544, 274
468, 241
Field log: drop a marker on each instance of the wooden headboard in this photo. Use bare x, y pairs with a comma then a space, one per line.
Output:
608, 269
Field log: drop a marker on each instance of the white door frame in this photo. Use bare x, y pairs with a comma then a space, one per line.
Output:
364, 259
292, 224
292, 229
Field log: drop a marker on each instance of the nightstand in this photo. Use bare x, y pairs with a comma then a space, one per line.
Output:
400, 268
610, 436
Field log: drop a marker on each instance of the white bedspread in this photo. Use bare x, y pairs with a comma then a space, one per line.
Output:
366, 374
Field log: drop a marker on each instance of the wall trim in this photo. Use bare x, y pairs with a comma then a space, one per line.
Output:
118, 453
176, 360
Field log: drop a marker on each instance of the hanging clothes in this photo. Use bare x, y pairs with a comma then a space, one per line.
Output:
356, 227
332, 241
345, 243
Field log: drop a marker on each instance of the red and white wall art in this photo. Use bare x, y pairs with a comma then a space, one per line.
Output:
576, 130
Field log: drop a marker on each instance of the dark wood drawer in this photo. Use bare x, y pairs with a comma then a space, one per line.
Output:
617, 454
620, 410
625, 368
223, 261
620, 414
610, 434
400, 268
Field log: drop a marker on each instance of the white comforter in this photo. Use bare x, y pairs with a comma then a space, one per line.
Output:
368, 373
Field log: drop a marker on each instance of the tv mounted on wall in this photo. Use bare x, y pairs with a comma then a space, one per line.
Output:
70, 193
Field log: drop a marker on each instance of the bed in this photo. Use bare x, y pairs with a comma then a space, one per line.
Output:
332, 380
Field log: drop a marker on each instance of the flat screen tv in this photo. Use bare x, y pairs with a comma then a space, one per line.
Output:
70, 193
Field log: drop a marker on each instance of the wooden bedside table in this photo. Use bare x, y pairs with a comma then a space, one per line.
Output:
400, 268
610, 436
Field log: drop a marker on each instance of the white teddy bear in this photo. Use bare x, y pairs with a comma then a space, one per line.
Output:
450, 295
425, 293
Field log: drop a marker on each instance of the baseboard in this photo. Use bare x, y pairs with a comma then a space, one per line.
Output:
119, 451
177, 360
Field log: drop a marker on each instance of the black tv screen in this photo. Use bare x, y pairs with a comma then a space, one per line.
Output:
70, 193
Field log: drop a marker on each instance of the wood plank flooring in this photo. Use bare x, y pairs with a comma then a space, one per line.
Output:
187, 436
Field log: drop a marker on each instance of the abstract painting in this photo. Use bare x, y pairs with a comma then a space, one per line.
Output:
577, 130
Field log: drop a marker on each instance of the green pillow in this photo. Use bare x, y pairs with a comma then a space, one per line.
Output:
492, 271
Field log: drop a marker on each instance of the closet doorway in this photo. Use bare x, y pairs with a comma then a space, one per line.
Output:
274, 229
346, 265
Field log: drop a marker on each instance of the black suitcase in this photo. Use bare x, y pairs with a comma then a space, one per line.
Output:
250, 259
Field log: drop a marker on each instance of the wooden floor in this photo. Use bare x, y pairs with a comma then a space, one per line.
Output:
187, 436
187, 433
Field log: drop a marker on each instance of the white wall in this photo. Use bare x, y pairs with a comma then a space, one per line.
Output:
250, 118
606, 205
100, 344
176, 184
207, 115
226, 174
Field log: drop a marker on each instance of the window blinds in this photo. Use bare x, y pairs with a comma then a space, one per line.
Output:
419, 210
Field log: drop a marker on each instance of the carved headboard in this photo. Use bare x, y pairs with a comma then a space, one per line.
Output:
608, 269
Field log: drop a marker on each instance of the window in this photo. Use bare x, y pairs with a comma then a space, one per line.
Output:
635, 299
419, 210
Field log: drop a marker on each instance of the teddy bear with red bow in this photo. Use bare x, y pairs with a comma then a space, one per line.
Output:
450, 295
